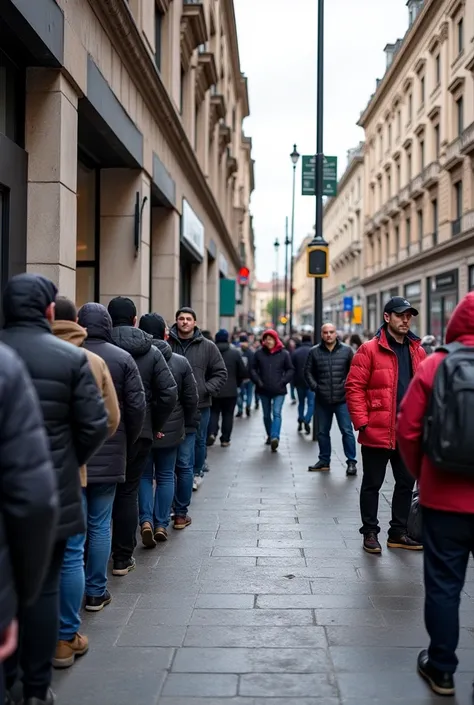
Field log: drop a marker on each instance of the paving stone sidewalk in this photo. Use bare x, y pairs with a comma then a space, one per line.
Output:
267, 598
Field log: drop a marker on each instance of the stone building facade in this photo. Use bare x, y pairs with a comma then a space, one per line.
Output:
124, 167
419, 168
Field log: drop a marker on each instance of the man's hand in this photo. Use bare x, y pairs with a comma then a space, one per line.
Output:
9, 640
160, 435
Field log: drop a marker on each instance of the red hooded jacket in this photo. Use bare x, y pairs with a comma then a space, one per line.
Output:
371, 389
438, 489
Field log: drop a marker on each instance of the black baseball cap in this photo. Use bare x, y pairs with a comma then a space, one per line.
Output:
397, 304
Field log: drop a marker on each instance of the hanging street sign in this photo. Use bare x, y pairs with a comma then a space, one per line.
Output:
308, 186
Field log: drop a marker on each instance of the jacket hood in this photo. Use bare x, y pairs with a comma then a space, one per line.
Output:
132, 340
273, 334
69, 331
174, 332
164, 348
223, 346
96, 320
26, 298
154, 324
461, 323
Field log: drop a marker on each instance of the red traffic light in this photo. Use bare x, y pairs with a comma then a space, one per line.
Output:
244, 272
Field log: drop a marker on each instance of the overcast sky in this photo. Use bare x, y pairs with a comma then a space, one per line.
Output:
277, 41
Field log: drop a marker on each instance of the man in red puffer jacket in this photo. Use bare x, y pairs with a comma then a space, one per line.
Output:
447, 502
380, 373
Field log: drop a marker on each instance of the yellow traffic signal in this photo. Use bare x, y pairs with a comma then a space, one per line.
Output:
318, 261
283, 320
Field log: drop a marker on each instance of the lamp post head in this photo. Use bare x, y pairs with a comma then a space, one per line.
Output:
276, 244
294, 155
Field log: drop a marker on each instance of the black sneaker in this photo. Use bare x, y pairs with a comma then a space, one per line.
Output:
248, 411
239, 415
439, 682
307, 429
124, 567
95, 604
371, 543
320, 466
211, 440
404, 541
274, 443
300, 426
351, 468
50, 700
268, 441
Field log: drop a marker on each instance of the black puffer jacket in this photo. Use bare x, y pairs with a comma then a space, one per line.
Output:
272, 371
109, 463
326, 371
28, 496
185, 415
298, 358
206, 362
236, 370
160, 387
73, 410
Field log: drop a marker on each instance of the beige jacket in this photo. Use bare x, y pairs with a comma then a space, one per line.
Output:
74, 333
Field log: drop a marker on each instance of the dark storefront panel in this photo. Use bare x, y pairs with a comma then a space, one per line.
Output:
442, 296
372, 319
185, 278
412, 292
471, 277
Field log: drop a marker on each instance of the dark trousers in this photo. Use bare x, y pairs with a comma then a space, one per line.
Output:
374, 467
448, 539
225, 407
125, 510
39, 629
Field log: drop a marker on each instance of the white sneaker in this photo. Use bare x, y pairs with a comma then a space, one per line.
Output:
195, 485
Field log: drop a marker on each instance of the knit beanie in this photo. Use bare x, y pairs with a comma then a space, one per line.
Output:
122, 311
222, 336
154, 324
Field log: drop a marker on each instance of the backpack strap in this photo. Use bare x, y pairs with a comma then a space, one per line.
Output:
449, 347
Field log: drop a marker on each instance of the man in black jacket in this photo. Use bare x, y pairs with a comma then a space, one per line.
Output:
161, 395
225, 400
210, 373
305, 394
29, 502
179, 430
76, 423
246, 388
106, 469
326, 369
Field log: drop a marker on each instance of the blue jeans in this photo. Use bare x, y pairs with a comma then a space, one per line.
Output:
72, 586
184, 475
201, 440
245, 395
160, 465
305, 394
324, 416
99, 501
292, 392
272, 407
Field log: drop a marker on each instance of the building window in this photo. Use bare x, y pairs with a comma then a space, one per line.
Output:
399, 176
460, 115
87, 243
460, 35
158, 21
458, 195
409, 165
181, 93
420, 226
410, 107
399, 122
408, 233
389, 184
422, 90
397, 240
381, 146
390, 135
196, 126
422, 154
12, 97
434, 213
438, 69
437, 140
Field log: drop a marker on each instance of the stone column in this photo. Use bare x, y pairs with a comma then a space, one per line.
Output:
165, 229
212, 295
123, 271
51, 143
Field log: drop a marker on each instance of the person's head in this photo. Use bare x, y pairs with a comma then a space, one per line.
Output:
29, 297
355, 340
291, 344
123, 311
306, 338
328, 333
244, 341
270, 339
397, 315
185, 321
65, 310
154, 324
222, 336
206, 334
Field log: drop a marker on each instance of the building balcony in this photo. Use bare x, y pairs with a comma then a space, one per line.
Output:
430, 174
206, 74
468, 221
404, 196
217, 110
193, 29
225, 136
378, 218
453, 154
393, 206
416, 186
467, 140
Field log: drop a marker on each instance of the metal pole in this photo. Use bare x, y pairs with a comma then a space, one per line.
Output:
292, 244
287, 242
277, 287
318, 283
273, 298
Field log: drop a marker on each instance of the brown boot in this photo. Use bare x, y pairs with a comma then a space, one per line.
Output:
161, 534
147, 535
66, 651
182, 522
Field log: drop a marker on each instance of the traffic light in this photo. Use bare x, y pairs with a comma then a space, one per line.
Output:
318, 261
283, 320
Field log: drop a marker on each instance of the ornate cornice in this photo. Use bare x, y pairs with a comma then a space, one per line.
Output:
117, 20
193, 31
206, 74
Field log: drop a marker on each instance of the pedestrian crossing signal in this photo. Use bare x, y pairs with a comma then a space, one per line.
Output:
318, 261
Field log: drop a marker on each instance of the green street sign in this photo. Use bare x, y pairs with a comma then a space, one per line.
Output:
309, 176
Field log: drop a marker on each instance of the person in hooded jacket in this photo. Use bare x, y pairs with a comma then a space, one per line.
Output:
272, 370
162, 463
72, 586
76, 423
29, 499
447, 502
161, 394
225, 400
106, 469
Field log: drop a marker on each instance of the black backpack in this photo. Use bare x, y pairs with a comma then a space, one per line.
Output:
448, 437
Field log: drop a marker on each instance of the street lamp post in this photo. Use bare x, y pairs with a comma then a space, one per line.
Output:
294, 156
276, 245
287, 244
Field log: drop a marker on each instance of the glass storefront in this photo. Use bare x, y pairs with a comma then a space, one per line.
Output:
87, 270
412, 292
442, 296
372, 321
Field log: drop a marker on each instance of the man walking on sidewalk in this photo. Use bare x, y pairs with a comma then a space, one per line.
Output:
378, 379
304, 392
247, 387
326, 369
